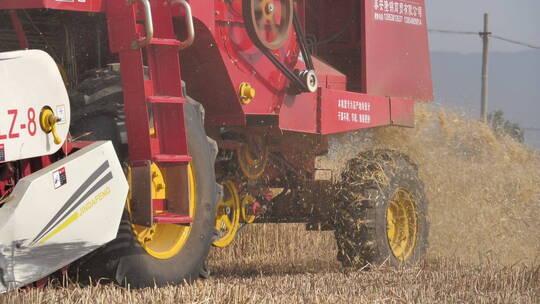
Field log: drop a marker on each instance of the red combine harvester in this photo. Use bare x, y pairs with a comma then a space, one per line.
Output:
215, 114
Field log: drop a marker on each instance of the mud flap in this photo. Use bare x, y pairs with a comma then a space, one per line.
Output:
60, 213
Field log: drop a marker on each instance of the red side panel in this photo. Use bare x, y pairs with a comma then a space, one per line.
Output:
72, 5
299, 113
396, 60
328, 76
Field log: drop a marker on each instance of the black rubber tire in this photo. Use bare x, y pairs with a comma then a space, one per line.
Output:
100, 127
99, 93
363, 197
98, 109
123, 260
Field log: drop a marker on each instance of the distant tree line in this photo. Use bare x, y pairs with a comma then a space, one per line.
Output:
501, 126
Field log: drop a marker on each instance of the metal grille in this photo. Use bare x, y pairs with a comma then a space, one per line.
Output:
44, 31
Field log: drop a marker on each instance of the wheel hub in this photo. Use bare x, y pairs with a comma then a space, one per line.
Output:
270, 8
268, 22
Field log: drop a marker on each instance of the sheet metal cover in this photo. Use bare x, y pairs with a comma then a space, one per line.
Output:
396, 58
29, 82
61, 213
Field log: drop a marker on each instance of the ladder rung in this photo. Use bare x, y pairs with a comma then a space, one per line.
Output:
171, 158
171, 218
166, 99
164, 41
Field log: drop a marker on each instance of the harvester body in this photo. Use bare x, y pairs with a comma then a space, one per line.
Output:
275, 78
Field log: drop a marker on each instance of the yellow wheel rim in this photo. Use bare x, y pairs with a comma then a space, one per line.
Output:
227, 215
402, 224
164, 241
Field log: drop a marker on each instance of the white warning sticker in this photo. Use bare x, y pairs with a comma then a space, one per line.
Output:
60, 114
59, 178
398, 12
348, 111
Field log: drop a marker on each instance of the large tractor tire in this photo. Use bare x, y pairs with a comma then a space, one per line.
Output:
381, 212
98, 110
127, 261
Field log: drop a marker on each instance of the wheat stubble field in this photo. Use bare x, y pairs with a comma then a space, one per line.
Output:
484, 243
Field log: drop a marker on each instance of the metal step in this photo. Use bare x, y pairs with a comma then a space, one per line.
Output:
171, 218
165, 42
166, 99
171, 158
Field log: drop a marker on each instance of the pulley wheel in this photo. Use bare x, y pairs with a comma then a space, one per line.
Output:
268, 22
253, 157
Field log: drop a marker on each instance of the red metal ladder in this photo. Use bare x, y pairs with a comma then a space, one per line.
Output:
155, 103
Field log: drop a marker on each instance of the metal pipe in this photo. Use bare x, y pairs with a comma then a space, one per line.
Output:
148, 25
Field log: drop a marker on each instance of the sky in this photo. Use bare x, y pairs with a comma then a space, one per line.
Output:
515, 19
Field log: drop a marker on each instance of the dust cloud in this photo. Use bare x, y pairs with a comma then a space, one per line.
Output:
484, 194
484, 190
